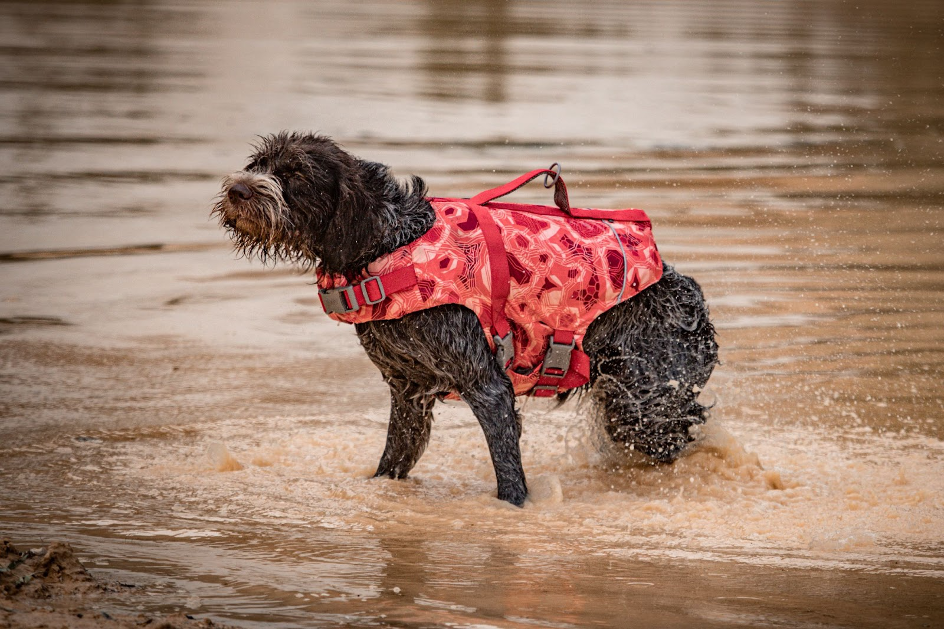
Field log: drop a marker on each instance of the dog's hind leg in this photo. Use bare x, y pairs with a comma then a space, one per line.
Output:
411, 418
650, 356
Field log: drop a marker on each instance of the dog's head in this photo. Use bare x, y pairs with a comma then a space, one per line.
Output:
282, 204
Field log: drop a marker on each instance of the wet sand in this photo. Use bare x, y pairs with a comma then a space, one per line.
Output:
194, 424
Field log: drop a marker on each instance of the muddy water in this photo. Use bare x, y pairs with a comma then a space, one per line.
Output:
195, 425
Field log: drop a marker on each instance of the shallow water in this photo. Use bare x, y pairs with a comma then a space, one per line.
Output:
195, 425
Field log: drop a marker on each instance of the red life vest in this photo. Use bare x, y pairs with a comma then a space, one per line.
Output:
536, 276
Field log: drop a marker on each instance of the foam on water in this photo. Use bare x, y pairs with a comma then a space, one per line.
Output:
744, 493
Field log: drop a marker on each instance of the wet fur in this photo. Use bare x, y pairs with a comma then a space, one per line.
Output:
316, 205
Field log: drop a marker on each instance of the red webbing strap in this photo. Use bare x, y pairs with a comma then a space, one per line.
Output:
561, 191
579, 373
392, 282
628, 214
373, 289
498, 269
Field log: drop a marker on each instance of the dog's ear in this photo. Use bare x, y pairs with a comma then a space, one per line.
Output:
346, 203
353, 227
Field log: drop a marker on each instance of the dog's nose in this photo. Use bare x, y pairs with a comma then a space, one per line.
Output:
239, 191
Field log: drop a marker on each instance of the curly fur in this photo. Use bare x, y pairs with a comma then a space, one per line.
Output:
302, 199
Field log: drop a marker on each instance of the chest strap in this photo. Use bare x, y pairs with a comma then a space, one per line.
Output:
368, 291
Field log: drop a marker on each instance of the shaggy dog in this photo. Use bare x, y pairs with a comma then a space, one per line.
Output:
302, 199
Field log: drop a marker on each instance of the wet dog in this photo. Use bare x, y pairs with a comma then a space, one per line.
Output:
302, 199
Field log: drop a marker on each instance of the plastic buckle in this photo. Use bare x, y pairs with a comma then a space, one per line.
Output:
380, 289
557, 359
339, 300
504, 350
544, 390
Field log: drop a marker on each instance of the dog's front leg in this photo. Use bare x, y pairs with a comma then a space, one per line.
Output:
493, 404
411, 417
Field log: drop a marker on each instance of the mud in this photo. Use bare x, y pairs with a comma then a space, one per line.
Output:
49, 587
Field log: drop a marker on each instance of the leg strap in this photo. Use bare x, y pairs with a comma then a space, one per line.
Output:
564, 366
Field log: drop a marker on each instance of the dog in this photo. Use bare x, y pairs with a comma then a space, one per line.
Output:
302, 199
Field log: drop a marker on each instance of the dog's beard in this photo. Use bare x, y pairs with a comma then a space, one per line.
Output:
261, 227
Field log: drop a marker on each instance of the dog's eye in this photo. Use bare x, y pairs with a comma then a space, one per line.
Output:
290, 175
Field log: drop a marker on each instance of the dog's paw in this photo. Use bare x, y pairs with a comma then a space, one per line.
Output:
393, 474
515, 494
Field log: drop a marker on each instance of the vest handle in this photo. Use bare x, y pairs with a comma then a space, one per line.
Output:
561, 191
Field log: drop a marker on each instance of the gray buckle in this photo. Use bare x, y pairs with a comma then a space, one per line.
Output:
339, 300
544, 390
504, 350
557, 358
380, 288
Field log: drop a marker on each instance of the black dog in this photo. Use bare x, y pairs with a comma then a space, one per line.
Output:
303, 199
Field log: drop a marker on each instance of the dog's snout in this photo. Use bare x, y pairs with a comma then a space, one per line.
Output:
239, 192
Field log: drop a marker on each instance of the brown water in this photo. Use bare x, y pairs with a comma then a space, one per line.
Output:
789, 154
